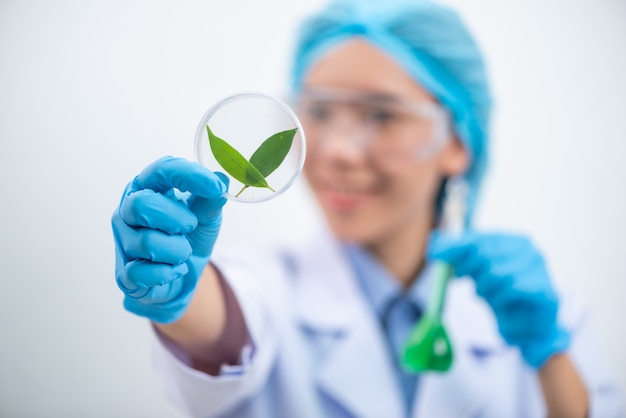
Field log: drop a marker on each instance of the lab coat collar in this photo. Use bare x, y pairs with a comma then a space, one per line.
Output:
325, 294
329, 303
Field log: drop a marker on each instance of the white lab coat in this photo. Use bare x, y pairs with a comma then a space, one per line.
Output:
318, 351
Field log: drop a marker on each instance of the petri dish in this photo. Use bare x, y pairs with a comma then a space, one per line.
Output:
265, 132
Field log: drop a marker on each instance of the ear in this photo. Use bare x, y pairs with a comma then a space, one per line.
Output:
454, 158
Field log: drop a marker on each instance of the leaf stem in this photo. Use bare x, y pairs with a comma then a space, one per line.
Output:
245, 187
241, 191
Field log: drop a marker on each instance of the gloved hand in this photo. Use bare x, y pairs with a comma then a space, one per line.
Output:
164, 237
511, 275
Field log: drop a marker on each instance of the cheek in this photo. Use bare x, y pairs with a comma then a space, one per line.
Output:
415, 183
404, 198
405, 202
414, 193
313, 162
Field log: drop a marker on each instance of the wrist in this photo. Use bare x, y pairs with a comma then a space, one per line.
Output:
162, 312
165, 306
538, 351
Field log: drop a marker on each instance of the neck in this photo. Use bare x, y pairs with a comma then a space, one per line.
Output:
403, 252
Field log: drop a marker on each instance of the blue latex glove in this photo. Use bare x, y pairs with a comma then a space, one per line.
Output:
164, 238
511, 275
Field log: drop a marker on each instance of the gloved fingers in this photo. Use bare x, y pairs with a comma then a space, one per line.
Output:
138, 276
448, 248
169, 172
502, 246
153, 245
209, 215
119, 227
163, 293
157, 310
481, 254
540, 299
517, 330
452, 248
150, 244
505, 272
489, 287
513, 320
501, 265
522, 321
149, 209
526, 276
461, 251
205, 209
203, 238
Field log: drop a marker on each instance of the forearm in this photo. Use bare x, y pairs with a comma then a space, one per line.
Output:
563, 390
212, 331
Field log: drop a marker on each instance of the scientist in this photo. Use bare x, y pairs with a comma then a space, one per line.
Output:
394, 99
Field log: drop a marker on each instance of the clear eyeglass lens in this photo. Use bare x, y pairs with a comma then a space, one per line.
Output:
387, 129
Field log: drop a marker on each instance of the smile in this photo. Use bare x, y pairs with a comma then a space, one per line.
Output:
345, 197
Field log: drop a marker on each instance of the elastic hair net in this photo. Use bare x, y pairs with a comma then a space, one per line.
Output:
431, 43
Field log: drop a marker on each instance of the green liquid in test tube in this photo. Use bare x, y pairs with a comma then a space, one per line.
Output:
428, 347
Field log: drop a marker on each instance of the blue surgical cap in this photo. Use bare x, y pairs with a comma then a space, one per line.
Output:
431, 43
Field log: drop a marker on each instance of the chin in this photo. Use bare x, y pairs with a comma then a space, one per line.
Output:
354, 232
355, 225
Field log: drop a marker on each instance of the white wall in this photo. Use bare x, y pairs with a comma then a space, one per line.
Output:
90, 92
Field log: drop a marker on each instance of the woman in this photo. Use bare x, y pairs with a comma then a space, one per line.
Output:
394, 99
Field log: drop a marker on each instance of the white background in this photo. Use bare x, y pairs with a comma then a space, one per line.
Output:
91, 92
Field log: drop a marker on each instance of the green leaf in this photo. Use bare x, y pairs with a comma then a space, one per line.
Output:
234, 163
273, 151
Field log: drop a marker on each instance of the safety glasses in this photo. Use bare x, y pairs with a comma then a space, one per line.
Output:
387, 128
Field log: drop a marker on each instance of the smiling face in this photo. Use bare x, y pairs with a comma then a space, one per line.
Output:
366, 198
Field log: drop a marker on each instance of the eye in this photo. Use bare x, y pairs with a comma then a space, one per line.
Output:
380, 115
316, 112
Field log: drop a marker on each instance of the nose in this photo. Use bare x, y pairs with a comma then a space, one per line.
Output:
342, 137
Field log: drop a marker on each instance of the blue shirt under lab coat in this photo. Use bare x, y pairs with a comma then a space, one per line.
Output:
397, 310
318, 349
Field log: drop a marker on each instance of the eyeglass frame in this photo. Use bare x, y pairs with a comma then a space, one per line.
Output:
435, 112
